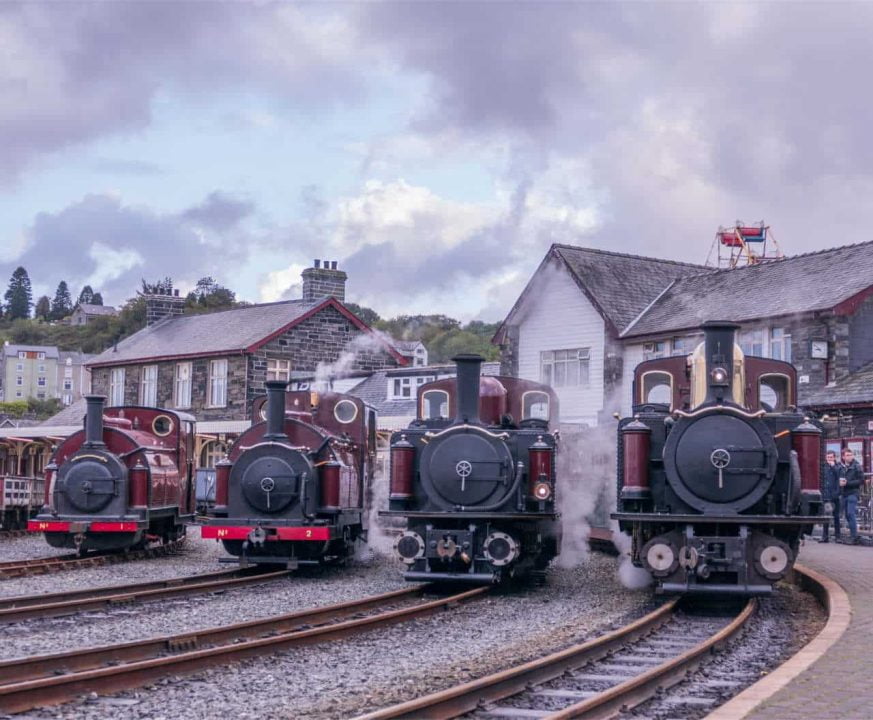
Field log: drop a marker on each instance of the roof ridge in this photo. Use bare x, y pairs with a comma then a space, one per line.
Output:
632, 256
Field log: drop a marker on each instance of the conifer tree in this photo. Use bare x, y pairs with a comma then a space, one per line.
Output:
62, 305
19, 296
43, 308
86, 297
97, 299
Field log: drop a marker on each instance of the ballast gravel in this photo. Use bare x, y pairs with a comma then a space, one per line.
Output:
342, 679
308, 587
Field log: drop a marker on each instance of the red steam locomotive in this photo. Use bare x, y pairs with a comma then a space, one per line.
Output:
125, 480
718, 471
292, 489
474, 477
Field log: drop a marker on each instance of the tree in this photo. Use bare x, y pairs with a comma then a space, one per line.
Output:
368, 315
209, 295
86, 297
159, 287
43, 308
19, 296
97, 299
62, 305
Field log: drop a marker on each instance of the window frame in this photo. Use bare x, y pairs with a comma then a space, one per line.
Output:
549, 359
279, 370
116, 386
423, 404
788, 389
643, 400
527, 416
179, 382
217, 382
148, 387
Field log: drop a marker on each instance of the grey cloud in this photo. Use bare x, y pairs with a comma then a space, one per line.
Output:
133, 243
219, 212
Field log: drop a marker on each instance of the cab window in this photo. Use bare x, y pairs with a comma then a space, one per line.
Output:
657, 388
773, 392
535, 405
434, 404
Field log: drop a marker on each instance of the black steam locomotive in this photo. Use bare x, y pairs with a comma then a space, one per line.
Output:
477, 491
718, 472
124, 480
291, 490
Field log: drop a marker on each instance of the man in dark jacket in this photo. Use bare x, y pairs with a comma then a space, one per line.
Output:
831, 494
851, 481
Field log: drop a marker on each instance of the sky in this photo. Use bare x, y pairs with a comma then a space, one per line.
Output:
434, 149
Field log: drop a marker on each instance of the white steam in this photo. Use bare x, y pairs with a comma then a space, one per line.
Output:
631, 576
366, 346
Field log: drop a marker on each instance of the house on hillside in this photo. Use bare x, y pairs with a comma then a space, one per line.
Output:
84, 313
588, 317
213, 365
74, 379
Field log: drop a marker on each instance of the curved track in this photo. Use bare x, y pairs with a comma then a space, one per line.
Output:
72, 561
30, 682
28, 607
595, 679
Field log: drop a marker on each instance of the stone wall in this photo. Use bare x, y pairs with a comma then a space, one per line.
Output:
321, 283
235, 409
159, 306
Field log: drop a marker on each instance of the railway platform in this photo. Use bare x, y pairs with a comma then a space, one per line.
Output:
834, 678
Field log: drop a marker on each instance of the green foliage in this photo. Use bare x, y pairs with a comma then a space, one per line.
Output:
97, 299
207, 296
43, 409
19, 295
14, 408
86, 297
43, 308
62, 305
160, 287
368, 315
443, 336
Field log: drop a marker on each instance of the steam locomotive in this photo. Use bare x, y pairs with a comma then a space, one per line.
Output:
477, 491
291, 490
718, 473
125, 480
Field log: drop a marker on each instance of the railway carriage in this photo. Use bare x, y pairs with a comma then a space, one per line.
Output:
719, 473
123, 481
474, 478
292, 489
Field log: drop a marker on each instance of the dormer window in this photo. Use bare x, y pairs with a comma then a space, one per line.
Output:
403, 388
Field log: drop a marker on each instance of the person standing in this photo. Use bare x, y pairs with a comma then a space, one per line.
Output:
851, 480
831, 494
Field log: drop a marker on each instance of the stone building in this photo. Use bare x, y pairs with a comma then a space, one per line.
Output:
84, 313
588, 317
214, 365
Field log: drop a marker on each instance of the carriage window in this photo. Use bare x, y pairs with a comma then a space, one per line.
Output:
535, 405
345, 411
434, 404
658, 388
773, 392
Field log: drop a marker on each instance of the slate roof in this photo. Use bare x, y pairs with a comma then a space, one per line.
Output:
51, 352
799, 284
89, 309
621, 286
70, 415
856, 388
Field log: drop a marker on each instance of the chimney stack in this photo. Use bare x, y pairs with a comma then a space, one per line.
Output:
323, 280
162, 304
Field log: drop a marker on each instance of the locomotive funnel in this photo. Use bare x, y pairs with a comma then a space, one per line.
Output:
276, 410
94, 421
719, 338
468, 387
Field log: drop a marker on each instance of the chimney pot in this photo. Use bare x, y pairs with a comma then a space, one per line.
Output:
316, 263
333, 265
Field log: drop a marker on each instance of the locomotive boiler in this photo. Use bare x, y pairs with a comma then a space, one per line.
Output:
474, 478
718, 472
291, 490
123, 481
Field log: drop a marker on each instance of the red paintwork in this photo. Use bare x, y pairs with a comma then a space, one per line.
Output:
492, 400
114, 526
514, 389
237, 532
329, 477
43, 526
402, 463
540, 463
807, 445
637, 448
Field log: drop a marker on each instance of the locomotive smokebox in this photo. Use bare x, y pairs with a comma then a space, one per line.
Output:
94, 421
276, 410
469, 367
719, 337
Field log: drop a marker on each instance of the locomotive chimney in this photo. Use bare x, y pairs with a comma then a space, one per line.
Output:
719, 337
468, 388
94, 421
276, 410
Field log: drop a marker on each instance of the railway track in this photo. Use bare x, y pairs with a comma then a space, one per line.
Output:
72, 561
16, 609
596, 679
41, 680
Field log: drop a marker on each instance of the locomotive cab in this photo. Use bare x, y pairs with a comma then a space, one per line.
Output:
719, 477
